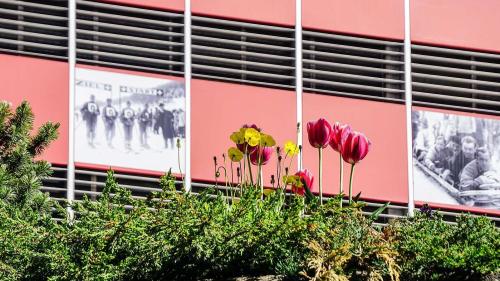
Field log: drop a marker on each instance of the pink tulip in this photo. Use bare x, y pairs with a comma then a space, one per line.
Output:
306, 178
355, 147
319, 133
339, 135
264, 153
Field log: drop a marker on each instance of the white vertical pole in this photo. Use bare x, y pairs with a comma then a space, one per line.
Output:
298, 74
187, 81
71, 105
408, 103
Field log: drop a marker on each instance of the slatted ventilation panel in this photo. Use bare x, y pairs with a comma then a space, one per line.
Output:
34, 27
91, 183
456, 79
353, 66
243, 52
128, 37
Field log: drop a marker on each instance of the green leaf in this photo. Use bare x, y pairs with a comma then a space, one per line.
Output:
377, 212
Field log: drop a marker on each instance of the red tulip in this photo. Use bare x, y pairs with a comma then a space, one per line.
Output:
355, 147
306, 178
264, 153
319, 133
339, 135
251, 126
245, 147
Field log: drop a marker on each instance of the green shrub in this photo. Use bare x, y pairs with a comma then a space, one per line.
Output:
431, 249
181, 236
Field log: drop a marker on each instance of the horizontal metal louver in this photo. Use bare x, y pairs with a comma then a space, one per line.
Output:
456, 79
243, 52
353, 66
128, 37
90, 183
34, 27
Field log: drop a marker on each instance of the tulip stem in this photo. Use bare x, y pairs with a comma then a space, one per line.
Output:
350, 184
341, 190
261, 183
243, 174
250, 170
320, 176
240, 182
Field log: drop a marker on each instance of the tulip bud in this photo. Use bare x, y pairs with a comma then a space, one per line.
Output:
355, 148
305, 179
339, 135
319, 133
261, 155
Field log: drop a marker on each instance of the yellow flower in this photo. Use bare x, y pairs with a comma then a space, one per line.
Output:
267, 140
291, 149
252, 137
238, 137
235, 154
292, 180
268, 191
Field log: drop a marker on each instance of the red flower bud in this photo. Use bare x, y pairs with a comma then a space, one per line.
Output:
339, 135
355, 147
319, 133
306, 178
264, 153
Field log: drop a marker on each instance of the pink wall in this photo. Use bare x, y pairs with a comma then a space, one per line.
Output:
377, 18
466, 24
382, 174
44, 84
176, 5
218, 109
280, 12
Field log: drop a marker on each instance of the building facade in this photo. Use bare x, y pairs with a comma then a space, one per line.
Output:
412, 75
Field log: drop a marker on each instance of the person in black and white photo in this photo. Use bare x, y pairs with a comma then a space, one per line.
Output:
180, 123
165, 120
109, 115
145, 122
90, 111
127, 118
456, 159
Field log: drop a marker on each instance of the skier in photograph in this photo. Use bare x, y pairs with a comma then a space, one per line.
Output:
145, 121
180, 121
109, 115
90, 111
165, 120
127, 117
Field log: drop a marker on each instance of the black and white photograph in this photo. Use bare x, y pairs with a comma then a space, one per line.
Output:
456, 159
129, 121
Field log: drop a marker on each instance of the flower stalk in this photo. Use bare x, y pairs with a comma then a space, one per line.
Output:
350, 183
320, 174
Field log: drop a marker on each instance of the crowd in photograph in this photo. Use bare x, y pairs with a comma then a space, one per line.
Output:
150, 117
462, 150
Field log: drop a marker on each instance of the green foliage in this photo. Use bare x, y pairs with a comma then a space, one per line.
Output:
181, 236
431, 249
20, 173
